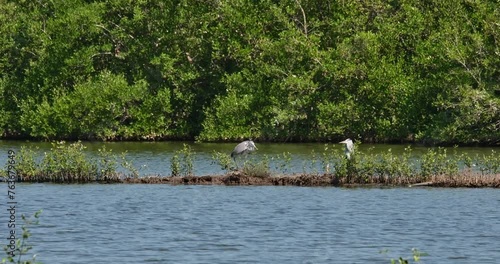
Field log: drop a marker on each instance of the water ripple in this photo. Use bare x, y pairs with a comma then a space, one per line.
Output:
217, 224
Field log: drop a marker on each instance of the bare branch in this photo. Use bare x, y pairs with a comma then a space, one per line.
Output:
101, 53
303, 16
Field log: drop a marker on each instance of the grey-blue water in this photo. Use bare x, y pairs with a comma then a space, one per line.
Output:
123, 223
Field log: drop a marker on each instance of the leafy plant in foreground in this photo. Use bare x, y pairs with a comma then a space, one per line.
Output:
416, 256
22, 245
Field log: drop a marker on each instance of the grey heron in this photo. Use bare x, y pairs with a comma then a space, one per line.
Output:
349, 147
243, 148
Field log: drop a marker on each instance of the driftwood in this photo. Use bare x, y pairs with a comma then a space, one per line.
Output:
422, 184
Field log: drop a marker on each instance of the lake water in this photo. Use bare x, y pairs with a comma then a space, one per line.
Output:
123, 223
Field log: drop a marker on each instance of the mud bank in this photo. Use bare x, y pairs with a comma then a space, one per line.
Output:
469, 180
237, 178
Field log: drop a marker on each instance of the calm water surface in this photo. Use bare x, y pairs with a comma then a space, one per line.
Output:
216, 224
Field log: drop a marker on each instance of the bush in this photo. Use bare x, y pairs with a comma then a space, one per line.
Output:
230, 118
224, 160
104, 108
282, 70
258, 169
27, 166
68, 163
466, 116
181, 163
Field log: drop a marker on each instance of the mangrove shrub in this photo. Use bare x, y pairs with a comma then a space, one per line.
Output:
284, 70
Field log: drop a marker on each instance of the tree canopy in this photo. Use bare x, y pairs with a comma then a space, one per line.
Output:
271, 70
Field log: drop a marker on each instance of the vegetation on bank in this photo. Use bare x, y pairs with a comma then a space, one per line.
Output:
434, 168
286, 70
68, 163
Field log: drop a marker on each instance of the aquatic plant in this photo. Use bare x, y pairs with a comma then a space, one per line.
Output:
258, 169
388, 168
368, 165
22, 246
187, 160
392, 168
416, 256
437, 162
282, 162
67, 163
107, 163
128, 165
27, 167
313, 165
490, 163
345, 170
175, 165
325, 159
223, 160
181, 162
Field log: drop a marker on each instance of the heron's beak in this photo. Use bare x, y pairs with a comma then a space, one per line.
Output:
343, 142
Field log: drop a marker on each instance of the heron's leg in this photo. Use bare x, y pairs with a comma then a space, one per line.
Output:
235, 162
245, 158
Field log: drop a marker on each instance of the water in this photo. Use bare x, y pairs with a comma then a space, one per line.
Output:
153, 158
123, 223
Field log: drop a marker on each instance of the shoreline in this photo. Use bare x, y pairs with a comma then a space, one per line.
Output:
325, 180
466, 180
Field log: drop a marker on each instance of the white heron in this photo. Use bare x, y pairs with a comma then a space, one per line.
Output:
243, 148
349, 147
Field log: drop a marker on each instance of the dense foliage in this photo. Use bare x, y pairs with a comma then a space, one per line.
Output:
286, 70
